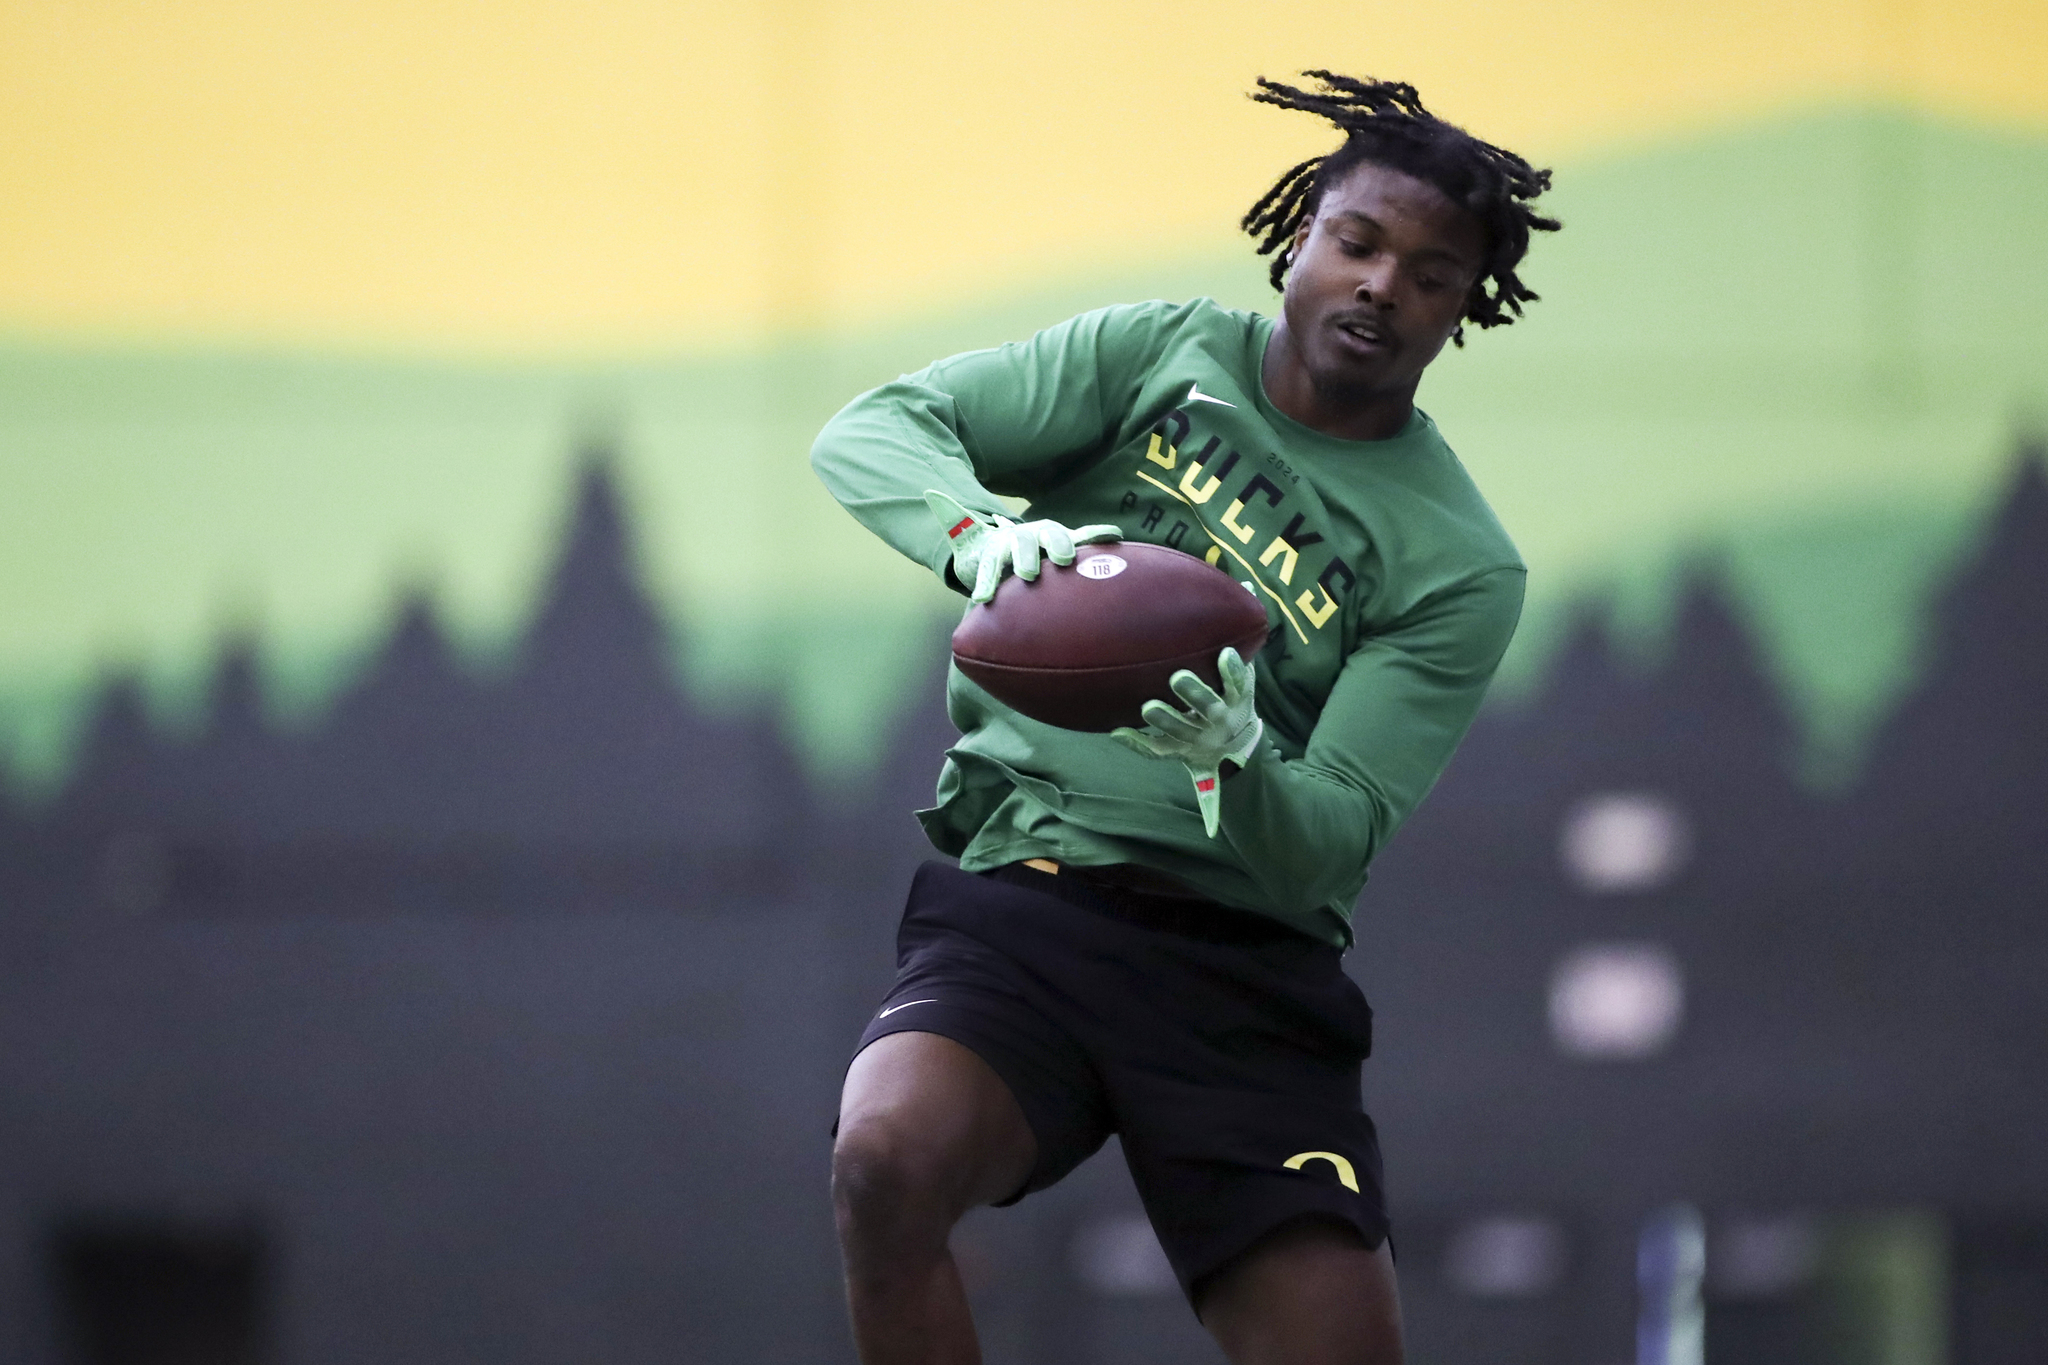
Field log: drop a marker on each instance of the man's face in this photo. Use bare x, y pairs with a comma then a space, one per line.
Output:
1380, 280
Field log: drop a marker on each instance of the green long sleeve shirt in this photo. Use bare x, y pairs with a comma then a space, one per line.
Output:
1391, 589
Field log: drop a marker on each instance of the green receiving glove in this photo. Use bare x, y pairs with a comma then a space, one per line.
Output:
983, 547
1210, 731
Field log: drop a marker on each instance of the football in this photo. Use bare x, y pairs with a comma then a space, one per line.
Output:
1085, 645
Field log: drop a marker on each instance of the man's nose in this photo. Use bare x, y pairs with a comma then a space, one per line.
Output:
1376, 282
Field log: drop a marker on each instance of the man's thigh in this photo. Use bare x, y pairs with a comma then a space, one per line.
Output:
923, 1110
968, 976
1308, 1293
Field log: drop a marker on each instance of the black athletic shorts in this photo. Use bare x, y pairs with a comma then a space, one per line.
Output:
1221, 1046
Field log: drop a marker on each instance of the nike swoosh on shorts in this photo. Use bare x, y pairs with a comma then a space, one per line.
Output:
904, 1006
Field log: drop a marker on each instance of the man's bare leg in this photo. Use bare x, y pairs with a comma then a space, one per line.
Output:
927, 1131
1309, 1293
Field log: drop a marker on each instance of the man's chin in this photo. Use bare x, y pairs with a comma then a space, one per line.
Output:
1352, 385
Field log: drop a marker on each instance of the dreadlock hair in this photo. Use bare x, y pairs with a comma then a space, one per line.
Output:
1384, 124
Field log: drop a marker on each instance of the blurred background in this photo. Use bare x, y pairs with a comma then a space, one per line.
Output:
458, 763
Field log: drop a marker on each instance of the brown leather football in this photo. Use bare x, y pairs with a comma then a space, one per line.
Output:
1084, 646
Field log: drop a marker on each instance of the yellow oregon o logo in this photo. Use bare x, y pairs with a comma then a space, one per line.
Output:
1345, 1174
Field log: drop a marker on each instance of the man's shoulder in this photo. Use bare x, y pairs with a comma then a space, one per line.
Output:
1120, 340
1458, 498
1163, 320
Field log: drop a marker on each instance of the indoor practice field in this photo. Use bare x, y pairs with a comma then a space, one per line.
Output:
458, 760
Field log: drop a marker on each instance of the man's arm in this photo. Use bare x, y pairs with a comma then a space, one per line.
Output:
1308, 826
998, 421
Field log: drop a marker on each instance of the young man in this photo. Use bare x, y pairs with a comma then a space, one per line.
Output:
1143, 937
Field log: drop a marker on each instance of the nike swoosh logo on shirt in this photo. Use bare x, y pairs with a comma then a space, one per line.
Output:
1195, 395
904, 1006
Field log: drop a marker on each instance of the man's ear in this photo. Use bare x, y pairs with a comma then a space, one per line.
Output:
1300, 238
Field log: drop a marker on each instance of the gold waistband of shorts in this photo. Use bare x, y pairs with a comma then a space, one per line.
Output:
1121, 877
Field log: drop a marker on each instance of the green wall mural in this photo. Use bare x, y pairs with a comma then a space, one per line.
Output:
1804, 348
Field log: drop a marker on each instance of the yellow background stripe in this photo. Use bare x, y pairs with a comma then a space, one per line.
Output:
538, 175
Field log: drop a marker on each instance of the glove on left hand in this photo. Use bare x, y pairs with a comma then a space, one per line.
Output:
1210, 731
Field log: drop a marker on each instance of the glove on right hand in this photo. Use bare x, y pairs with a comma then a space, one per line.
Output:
983, 547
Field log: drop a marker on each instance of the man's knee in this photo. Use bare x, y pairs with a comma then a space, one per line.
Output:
890, 1183
927, 1130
